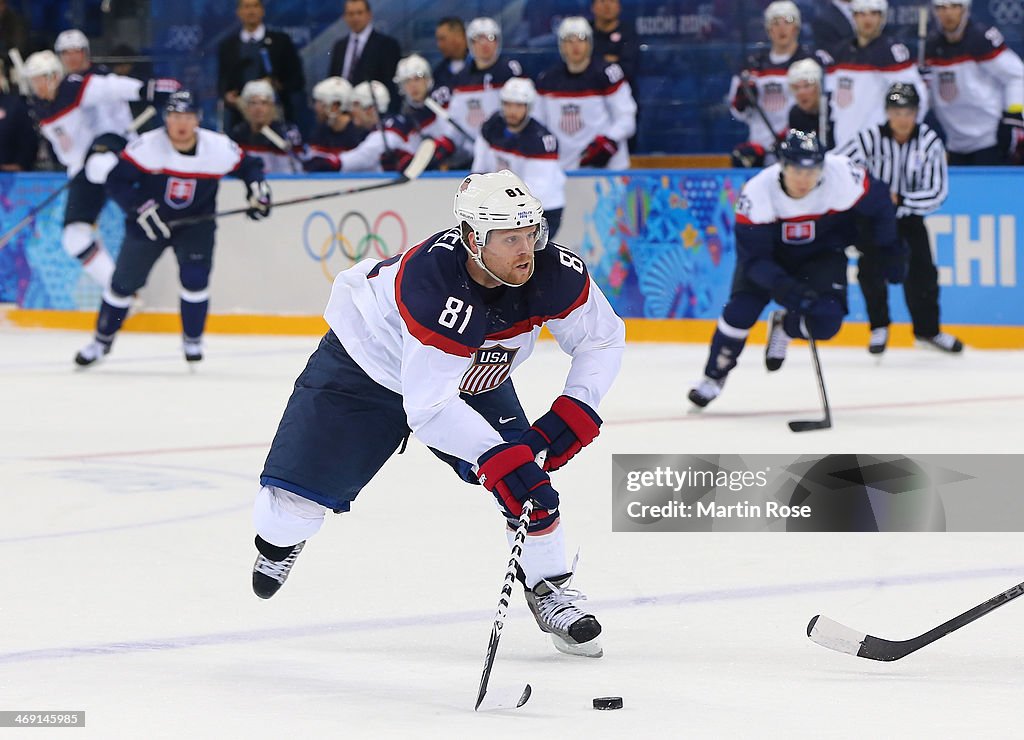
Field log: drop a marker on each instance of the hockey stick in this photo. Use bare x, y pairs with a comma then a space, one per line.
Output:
444, 115
140, 119
835, 636
419, 162
506, 698
922, 35
826, 423
274, 138
744, 82
380, 123
19, 66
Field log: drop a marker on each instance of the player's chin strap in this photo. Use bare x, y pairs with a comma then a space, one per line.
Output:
478, 256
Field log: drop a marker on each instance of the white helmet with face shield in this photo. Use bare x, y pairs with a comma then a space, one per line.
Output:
494, 201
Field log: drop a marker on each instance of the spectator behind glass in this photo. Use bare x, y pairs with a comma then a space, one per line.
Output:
613, 40
256, 53
450, 36
366, 53
19, 142
13, 31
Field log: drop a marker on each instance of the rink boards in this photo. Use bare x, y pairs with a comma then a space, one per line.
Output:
659, 243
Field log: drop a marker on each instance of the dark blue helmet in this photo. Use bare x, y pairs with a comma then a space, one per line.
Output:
801, 149
902, 95
181, 101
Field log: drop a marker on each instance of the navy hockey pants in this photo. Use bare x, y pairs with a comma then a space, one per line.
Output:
340, 427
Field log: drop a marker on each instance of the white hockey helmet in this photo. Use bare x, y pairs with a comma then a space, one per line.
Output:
43, 63
411, 67
575, 26
365, 97
333, 90
483, 27
941, 3
784, 9
519, 90
496, 200
869, 6
71, 39
804, 70
257, 89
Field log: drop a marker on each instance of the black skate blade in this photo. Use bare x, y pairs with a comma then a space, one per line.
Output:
807, 426
504, 697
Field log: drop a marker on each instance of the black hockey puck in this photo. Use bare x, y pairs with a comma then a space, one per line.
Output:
608, 702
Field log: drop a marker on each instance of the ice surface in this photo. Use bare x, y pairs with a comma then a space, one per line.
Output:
126, 553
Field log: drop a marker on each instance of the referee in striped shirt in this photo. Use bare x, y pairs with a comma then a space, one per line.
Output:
911, 159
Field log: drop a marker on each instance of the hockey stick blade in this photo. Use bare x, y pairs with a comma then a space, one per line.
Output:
504, 697
420, 160
835, 636
809, 425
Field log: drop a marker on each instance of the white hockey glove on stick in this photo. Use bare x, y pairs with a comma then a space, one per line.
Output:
148, 219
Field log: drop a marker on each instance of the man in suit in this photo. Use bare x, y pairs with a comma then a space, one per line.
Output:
365, 54
257, 53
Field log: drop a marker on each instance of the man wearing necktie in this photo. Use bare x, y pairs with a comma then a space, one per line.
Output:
365, 53
258, 53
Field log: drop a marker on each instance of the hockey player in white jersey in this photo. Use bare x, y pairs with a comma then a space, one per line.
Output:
794, 221
415, 80
171, 173
766, 81
84, 117
586, 103
865, 69
474, 91
513, 140
977, 88
389, 142
258, 103
426, 341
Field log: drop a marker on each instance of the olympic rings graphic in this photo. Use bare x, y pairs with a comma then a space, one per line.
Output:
320, 240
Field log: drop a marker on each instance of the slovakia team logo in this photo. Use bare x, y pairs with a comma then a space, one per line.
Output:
491, 367
798, 232
571, 121
948, 89
180, 192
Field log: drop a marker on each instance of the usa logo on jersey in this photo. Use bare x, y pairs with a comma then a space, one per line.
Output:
844, 95
797, 232
774, 97
491, 366
571, 121
948, 89
180, 192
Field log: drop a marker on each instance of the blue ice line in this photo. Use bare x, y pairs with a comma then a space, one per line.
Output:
369, 625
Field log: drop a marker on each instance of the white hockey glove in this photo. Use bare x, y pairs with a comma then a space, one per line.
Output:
259, 200
150, 222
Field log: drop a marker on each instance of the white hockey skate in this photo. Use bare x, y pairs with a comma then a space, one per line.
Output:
91, 352
943, 342
273, 564
706, 391
778, 342
879, 340
573, 632
193, 349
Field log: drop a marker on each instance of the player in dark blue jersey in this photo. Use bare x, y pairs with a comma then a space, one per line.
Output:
167, 174
335, 131
794, 221
426, 341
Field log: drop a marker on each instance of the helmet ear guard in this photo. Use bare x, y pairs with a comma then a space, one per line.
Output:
496, 201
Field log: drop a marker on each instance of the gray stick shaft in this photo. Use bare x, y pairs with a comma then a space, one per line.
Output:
744, 79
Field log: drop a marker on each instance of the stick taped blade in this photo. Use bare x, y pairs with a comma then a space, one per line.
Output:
420, 160
807, 426
834, 636
504, 697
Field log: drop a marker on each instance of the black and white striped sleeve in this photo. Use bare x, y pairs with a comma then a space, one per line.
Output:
860, 147
931, 181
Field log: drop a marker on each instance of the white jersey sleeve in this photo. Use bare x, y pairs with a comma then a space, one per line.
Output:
595, 337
